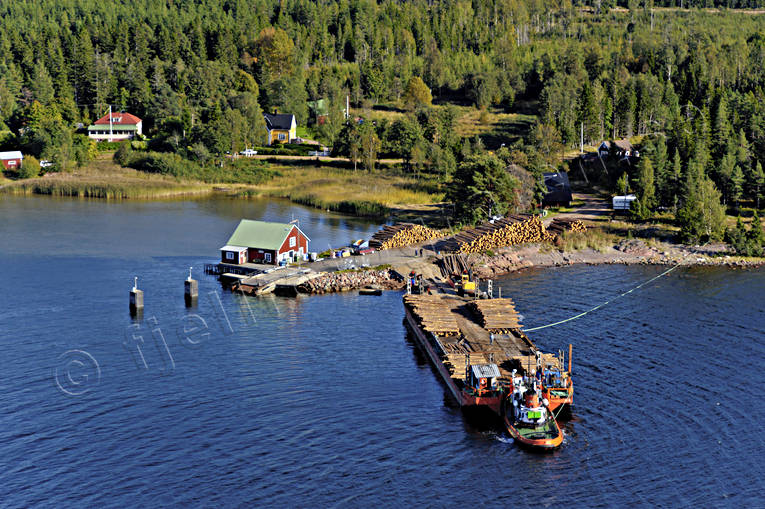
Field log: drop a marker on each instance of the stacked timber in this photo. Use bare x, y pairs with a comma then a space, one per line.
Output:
401, 235
433, 314
498, 316
507, 231
453, 264
558, 226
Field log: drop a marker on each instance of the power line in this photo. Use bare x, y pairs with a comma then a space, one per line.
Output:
601, 305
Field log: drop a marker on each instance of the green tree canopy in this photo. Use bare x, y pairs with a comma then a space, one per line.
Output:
417, 93
481, 186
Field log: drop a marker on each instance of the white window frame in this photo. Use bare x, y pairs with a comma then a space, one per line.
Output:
282, 136
230, 255
293, 241
267, 257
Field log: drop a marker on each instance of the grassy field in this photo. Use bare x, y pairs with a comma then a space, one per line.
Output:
104, 179
494, 126
359, 192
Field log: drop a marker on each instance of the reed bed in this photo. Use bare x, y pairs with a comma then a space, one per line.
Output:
359, 193
106, 180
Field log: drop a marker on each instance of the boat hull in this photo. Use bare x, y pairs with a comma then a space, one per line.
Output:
560, 398
547, 443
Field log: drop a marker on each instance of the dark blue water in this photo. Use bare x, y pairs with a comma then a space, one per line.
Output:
323, 400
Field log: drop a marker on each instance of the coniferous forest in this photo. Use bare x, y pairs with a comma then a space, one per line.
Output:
685, 79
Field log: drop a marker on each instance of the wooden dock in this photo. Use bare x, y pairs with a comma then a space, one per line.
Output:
283, 281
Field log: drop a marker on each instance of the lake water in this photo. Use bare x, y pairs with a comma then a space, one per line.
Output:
323, 400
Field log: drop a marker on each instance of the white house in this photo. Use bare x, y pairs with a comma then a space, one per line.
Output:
121, 126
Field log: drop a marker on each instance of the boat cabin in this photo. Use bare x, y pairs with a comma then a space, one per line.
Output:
484, 376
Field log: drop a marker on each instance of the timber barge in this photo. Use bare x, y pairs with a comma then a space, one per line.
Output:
476, 346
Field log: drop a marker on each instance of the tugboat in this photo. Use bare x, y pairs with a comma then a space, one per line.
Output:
528, 418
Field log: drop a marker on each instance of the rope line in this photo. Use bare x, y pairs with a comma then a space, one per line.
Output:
605, 303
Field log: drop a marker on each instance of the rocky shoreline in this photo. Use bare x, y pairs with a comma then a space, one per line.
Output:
353, 280
626, 252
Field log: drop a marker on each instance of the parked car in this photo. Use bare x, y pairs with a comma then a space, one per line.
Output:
248, 152
46, 164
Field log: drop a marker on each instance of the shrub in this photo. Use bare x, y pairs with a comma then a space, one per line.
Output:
123, 154
30, 168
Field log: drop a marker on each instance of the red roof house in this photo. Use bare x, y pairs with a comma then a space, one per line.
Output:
11, 160
121, 126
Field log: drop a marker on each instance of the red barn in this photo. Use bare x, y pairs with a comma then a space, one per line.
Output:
11, 160
265, 242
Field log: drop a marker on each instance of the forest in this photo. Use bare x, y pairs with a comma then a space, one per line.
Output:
685, 79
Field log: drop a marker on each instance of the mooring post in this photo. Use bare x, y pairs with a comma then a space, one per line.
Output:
136, 298
190, 289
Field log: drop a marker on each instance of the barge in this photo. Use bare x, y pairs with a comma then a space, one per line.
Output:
476, 346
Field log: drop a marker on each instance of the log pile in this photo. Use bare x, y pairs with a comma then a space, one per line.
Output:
453, 264
507, 231
498, 316
558, 226
432, 314
402, 234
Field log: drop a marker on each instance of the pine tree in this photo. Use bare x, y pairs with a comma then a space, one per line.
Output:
757, 180
736, 185
645, 188
83, 69
42, 86
723, 129
754, 236
702, 216
677, 179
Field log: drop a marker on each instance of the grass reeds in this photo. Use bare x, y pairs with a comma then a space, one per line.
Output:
358, 193
104, 179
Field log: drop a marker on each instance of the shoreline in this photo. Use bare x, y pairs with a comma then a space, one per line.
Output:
531, 256
534, 256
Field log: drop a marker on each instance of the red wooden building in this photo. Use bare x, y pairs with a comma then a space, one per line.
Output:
265, 242
11, 160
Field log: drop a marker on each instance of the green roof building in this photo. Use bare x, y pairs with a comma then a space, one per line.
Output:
265, 242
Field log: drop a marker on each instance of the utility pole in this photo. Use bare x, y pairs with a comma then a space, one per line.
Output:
581, 139
110, 123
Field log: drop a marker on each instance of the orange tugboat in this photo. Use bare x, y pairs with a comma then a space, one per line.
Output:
528, 418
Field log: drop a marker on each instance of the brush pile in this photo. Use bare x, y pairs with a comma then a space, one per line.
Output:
498, 316
401, 235
432, 314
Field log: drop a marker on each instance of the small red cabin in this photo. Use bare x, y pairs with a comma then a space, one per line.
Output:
265, 242
11, 160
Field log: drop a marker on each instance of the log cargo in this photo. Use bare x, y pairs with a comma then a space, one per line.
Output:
401, 235
498, 316
432, 314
